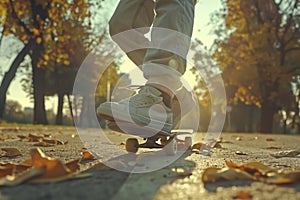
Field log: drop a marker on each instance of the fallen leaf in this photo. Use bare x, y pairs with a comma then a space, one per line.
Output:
290, 153
242, 195
270, 140
284, 177
73, 165
54, 168
11, 152
240, 153
22, 137
54, 141
251, 167
22, 177
34, 138
42, 169
19, 167
218, 145
250, 171
197, 145
201, 145
273, 147
6, 170
211, 175
47, 135
86, 155
43, 144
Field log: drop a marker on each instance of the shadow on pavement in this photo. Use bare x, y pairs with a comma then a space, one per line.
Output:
105, 184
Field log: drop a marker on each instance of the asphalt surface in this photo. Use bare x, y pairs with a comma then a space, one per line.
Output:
176, 180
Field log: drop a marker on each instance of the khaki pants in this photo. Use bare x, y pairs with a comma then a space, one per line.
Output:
174, 15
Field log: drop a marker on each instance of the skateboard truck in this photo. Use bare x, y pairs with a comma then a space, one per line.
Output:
168, 141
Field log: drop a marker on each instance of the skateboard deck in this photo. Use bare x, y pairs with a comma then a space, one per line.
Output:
154, 138
134, 129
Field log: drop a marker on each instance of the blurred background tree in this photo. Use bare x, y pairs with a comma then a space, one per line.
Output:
256, 49
57, 36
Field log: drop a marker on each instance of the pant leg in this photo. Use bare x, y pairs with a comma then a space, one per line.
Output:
166, 67
129, 15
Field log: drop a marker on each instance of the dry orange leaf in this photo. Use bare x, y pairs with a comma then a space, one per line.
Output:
54, 168
211, 175
273, 147
205, 146
290, 153
34, 138
11, 152
243, 195
41, 169
54, 141
250, 171
22, 177
73, 165
86, 155
270, 140
47, 135
19, 167
6, 170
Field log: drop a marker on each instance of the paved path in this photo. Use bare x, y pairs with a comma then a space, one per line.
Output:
179, 180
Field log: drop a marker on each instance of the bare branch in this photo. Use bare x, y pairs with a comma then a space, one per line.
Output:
293, 49
2, 34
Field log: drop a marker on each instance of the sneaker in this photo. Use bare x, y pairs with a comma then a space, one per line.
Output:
138, 109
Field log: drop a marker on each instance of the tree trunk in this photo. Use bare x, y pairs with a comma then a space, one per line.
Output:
70, 107
38, 78
267, 114
59, 115
284, 126
10, 74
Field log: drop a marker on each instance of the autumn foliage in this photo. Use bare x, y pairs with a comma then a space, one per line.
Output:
257, 54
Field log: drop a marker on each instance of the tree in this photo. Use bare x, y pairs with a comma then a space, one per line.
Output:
41, 26
260, 37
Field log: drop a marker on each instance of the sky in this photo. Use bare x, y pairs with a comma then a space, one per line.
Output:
202, 31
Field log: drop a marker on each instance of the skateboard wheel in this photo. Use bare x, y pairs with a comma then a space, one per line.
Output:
171, 148
132, 145
188, 142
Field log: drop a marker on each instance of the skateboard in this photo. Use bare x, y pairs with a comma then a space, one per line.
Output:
154, 138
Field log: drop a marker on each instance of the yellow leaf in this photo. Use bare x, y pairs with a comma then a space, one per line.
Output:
66, 62
35, 31
46, 57
38, 40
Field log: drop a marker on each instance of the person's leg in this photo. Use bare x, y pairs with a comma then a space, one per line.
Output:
172, 30
163, 69
135, 16
173, 26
